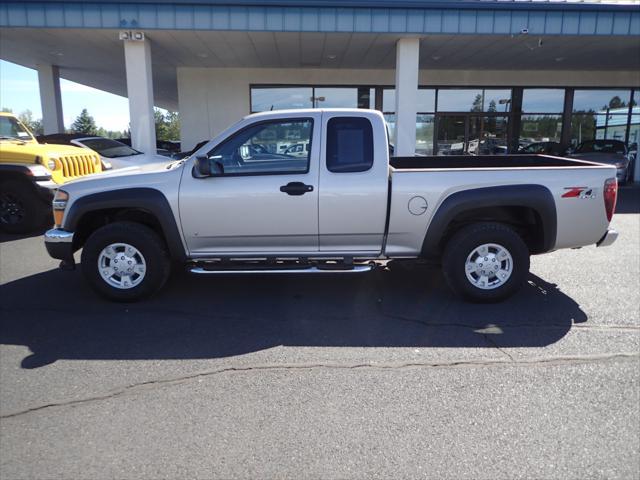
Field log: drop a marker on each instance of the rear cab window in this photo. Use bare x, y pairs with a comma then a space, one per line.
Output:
349, 144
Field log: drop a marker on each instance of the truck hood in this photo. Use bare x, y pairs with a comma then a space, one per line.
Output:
148, 166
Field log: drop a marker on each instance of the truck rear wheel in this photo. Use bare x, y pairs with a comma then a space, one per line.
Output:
486, 262
125, 261
21, 211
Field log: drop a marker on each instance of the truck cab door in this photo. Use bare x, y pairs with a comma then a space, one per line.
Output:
259, 200
354, 173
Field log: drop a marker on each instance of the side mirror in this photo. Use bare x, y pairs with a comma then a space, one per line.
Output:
207, 167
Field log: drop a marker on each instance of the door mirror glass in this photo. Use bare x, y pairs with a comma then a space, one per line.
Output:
207, 167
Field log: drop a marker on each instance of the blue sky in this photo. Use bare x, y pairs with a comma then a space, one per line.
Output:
19, 91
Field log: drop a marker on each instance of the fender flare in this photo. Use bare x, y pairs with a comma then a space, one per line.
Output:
148, 199
537, 197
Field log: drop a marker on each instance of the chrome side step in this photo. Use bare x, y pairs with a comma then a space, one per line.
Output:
230, 271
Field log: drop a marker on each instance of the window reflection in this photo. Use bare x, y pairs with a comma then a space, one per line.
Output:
280, 98
330, 97
543, 100
599, 100
424, 134
426, 100
540, 128
474, 100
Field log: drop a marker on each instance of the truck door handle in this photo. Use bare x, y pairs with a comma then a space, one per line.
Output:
296, 188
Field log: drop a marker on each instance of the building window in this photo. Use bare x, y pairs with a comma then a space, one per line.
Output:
474, 100
280, 98
600, 115
543, 100
541, 120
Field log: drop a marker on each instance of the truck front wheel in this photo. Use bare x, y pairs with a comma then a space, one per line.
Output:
485, 262
125, 261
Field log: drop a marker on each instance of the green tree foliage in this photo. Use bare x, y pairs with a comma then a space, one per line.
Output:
477, 104
84, 123
35, 125
167, 125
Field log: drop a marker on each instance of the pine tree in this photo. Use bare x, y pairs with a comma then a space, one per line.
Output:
84, 123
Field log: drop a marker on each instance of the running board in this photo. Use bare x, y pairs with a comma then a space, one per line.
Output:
354, 269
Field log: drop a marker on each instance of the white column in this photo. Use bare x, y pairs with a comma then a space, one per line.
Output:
137, 57
407, 65
50, 99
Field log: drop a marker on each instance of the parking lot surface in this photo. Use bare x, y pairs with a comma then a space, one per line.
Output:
385, 375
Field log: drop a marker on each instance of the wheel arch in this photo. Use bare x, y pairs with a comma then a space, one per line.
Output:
147, 206
530, 209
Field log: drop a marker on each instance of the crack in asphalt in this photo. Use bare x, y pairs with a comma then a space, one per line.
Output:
560, 360
490, 341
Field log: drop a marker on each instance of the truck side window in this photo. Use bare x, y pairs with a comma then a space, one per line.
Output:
349, 144
266, 148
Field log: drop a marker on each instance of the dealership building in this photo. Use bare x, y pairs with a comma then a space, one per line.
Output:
462, 76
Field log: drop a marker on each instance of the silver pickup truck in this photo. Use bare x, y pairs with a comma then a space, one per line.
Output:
248, 203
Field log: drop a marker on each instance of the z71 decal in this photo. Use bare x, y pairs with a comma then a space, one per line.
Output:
579, 192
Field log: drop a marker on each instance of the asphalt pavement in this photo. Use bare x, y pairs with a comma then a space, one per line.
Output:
383, 375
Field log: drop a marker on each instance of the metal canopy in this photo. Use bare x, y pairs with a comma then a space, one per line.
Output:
95, 57
424, 17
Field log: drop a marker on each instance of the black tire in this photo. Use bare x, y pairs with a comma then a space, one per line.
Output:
465, 241
21, 210
149, 245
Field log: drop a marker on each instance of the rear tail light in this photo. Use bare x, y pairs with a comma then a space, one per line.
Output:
610, 196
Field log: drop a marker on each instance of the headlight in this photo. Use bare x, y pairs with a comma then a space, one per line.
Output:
59, 205
51, 164
106, 165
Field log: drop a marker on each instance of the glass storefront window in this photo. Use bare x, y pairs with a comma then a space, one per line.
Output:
616, 101
541, 100
474, 100
390, 119
424, 134
497, 100
329, 97
426, 100
280, 98
460, 100
540, 128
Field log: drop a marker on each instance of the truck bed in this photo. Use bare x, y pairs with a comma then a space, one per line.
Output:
484, 161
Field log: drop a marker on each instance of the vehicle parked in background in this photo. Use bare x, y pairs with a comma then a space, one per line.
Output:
340, 209
166, 148
29, 172
114, 154
298, 150
544, 148
611, 152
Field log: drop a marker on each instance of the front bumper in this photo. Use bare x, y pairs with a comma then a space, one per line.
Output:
608, 238
59, 244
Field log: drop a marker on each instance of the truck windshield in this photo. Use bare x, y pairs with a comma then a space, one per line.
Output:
109, 148
12, 129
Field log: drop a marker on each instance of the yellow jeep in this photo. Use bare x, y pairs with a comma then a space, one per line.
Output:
30, 172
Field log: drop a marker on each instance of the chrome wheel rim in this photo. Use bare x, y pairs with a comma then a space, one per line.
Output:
489, 266
121, 266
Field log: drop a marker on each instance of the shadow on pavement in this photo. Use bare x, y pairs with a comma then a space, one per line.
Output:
56, 315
